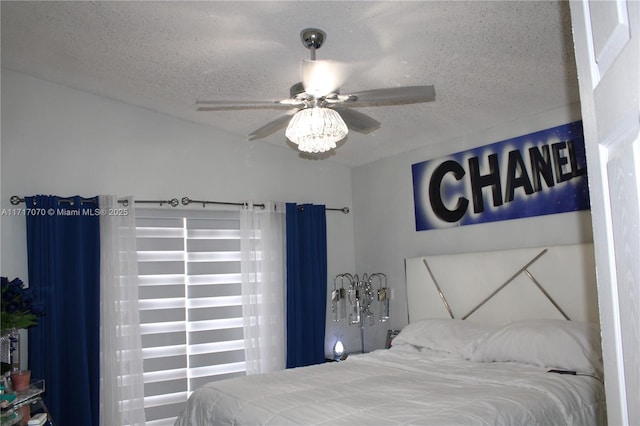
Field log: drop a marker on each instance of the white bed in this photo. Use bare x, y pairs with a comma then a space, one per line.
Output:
440, 371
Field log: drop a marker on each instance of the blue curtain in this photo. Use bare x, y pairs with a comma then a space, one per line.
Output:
63, 245
306, 284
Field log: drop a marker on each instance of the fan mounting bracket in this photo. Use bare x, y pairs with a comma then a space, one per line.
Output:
312, 39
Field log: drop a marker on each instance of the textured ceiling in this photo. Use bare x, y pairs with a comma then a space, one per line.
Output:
491, 62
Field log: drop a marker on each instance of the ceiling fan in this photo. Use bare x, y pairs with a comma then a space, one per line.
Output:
318, 115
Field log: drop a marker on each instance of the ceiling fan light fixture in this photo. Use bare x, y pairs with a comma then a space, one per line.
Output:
314, 126
316, 129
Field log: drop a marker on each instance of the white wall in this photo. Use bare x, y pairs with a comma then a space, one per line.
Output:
385, 225
61, 141
57, 140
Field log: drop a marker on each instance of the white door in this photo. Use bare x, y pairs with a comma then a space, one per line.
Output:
607, 49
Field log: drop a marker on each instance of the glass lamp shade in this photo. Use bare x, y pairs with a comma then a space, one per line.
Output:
338, 349
316, 129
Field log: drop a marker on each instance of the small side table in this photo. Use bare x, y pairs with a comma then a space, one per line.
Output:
27, 403
31, 408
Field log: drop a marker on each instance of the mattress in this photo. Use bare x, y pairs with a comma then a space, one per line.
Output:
401, 386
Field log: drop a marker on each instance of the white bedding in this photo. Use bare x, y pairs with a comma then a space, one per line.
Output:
401, 386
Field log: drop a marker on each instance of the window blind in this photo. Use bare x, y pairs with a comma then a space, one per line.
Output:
190, 304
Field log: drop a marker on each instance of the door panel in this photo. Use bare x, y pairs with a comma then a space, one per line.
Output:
610, 31
607, 52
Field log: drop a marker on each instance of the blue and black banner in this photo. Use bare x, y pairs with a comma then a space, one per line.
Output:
533, 175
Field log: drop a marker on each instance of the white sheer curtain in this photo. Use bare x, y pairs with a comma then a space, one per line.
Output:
263, 268
121, 382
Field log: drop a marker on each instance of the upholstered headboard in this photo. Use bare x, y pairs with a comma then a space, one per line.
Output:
506, 285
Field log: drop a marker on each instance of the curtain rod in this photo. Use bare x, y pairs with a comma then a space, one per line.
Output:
15, 200
186, 201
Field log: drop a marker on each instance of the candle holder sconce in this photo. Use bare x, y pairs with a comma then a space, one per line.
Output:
361, 293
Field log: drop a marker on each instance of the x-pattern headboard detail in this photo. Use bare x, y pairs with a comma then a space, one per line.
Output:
495, 286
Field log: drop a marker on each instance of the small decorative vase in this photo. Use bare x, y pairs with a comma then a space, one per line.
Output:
25, 411
20, 380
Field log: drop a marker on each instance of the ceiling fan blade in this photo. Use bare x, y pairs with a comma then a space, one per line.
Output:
322, 77
358, 121
391, 96
244, 105
272, 126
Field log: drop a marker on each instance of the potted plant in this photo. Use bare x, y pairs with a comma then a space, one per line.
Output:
20, 310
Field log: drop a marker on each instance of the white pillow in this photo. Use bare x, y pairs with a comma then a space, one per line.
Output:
558, 344
449, 335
